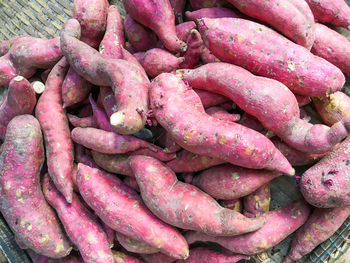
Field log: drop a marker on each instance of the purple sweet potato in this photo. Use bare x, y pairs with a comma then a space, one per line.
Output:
100, 116
22, 202
199, 4
214, 12
113, 163
135, 246
158, 16
233, 204
240, 42
318, 228
327, 184
194, 47
102, 191
258, 202
336, 12
279, 224
205, 255
82, 122
26, 55
284, 16
224, 140
20, 99
53, 121
124, 258
228, 182
128, 82
140, 38
332, 46
274, 105
210, 99
132, 183
80, 224
179, 204
178, 7
222, 114
156, 61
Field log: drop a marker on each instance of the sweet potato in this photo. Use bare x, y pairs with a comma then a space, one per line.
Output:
222, 114
240, 41
178, 203
102, 191
108, 100
233, 204
332, 46
135, 246
251, 122
214, 12
71, 258
282, 15
274, 105
207, 56
320, 226
178, 7
210, 99
82, 157
170, 145
228, 182
158, 16
45, 74
157, 258
279, 224
113, 163
110, 233
157, 153
20, 99
22, 202
81, 226
156, 61
199, 4
183, 30
257, 202
336, 12
82, 122
124, 258
205, 255
7, 44
140, 37
326, 184
302, 100
194, 47
100, 117
132, 99
26, 55
333, 108
132, 183
225, 140
53, 121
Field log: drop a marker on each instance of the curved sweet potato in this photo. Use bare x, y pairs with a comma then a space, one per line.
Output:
82, 122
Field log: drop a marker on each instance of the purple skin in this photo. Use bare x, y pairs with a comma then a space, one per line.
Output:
194, 48
252, 150
279, 224
274, 106
210, 99
108, 101
158, 16
82, 122
327, 184
140, 37
258, 202
110, 233
92, 241
100, 116
132, 183
233, 204
183, 30
82, 157
302, 100
214, 12
135, 246
20, 99
300, 70
20, 189
178, 7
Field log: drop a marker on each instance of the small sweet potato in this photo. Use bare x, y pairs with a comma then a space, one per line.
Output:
178, 203
22, 202
135, 246
80, 224
320, 226
228, 182
257, 202
100, 116
82, 122
214, 12
194, 47
233, 204
279, 224
20, 99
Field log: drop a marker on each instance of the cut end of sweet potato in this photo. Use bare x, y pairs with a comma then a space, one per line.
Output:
38, 87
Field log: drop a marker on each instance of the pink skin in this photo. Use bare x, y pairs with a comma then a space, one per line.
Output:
131, 217
140, 37
75, 89
183, 30
26, 55
108, 142
82, 122
6, 45
45, 74
135, 246
283, 15
326, 184
279, 224
302, 100
132, 100
207, 56
114, 35
58, 144
113, 163
92, 241
92, 16
124, 258
210, 99
285, 61
36, 258
321, 225
178, 7
160, 153
333, 108
158, 16
157, 258
222, 114
228, 182
20, 99
199, 4
205, 255
178, 203
110, 233
82, 157
258, 202
251, 149
108, 100
20, 189
214, 12
253, 123
274, 106
170, 145
233, 204
332, 46
132, 183
156, 61
100, 116
194, 48
336, 12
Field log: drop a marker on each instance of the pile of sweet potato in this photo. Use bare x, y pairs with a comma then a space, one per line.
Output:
151, 132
